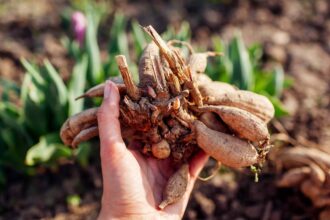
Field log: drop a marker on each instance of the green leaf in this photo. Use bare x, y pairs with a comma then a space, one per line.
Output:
277, 82
139, 38
118, 44
56, 96
262, 81
72, 47
11, 109
220, 68
77, 85
34, 107
169, 34
288, 82
83, 153
14, 139
37, 78
8, 87
10, 118
65, 16
99, 8
272, 83
47, 149
218, 44
242, 69
134, 71
95, 66
118, 38
184, 33
280, 110
58, 82
255, 54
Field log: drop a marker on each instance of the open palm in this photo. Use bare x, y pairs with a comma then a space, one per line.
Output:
133, 184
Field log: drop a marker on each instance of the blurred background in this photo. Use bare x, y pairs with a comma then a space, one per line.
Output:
52, 51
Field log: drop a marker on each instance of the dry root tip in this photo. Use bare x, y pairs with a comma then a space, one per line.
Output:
176, 186
163, 204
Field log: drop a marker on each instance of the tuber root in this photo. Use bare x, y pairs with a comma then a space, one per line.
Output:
294, 177
176, 186
198, 61
85, 135
214, 122
243, 123
256, 104
308, 170
216, 89
161, 150
231, 151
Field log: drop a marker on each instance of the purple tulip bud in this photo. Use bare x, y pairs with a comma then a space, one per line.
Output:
79, 24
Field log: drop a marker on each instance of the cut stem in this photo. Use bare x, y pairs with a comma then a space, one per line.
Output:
159, 72
171, 57
132, 90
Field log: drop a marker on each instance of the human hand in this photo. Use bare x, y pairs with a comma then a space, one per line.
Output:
132, 183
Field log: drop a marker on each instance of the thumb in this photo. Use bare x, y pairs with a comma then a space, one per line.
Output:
112, 144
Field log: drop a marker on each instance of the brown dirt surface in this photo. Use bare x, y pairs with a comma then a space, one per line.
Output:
294, 33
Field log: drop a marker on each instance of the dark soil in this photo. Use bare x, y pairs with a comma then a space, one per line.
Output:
294, 33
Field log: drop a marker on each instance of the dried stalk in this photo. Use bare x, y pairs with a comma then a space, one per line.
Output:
132, 89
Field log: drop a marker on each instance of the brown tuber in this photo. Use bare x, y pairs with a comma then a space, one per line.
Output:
176, 186
245, 124
161, 150
214, 122
231, 151
308, 170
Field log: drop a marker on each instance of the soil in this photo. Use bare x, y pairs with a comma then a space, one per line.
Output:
294, 33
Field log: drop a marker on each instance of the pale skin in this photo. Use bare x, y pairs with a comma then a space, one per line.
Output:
133, 183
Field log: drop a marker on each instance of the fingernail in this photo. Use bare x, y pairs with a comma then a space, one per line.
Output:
107, 89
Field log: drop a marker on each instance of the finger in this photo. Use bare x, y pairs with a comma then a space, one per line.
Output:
111, 140
197, 163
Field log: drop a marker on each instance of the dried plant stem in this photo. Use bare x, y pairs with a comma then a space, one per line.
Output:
195, 93
174, 84
170, 56
159, 73
132, 89
165, 50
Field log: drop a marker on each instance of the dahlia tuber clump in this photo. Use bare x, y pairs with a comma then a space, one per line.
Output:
176, 110
309, 170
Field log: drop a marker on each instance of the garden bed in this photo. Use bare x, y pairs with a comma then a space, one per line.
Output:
292, 33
